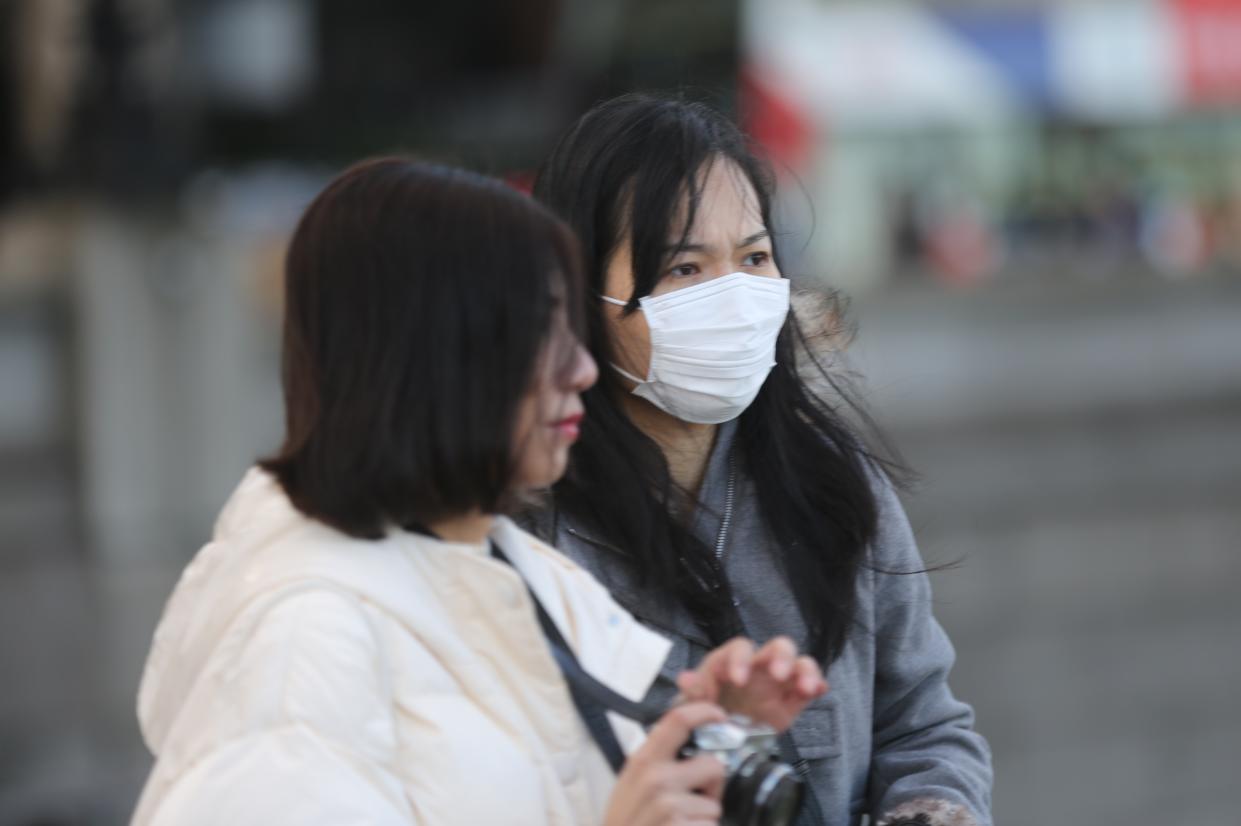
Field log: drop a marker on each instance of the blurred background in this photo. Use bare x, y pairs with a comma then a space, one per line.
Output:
1035, 206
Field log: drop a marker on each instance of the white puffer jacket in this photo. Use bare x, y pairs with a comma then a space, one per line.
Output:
299, 676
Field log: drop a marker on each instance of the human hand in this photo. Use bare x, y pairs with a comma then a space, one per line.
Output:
658, 788
771, 685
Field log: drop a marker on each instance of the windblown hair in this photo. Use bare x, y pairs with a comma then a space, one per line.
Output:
620, 173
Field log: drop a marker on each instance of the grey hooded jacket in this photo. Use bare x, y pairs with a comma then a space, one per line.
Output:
889, 741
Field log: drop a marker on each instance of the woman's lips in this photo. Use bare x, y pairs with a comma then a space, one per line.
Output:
570, 426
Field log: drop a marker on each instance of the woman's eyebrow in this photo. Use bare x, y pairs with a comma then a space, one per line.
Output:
694, 246
751, 240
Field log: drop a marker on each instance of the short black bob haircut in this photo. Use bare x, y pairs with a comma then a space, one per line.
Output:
419, 300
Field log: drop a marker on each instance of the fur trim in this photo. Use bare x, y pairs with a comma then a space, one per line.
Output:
927, 811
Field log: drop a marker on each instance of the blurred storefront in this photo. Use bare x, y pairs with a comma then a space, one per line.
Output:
978, 141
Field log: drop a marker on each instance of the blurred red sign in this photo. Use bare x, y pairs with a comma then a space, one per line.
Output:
1208, 34
774, 121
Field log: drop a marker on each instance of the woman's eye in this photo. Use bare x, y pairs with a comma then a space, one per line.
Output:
684, 270
757, 259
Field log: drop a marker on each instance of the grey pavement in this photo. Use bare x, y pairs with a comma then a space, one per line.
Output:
1081, 452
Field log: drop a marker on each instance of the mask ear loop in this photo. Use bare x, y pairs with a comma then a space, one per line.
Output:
614, 366
628, 375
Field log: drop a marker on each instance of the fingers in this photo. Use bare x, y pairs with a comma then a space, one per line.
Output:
802, 675
729, 664
713, 786
692, 688
778, 660
771, 685
684, 792
657, 788
738, 659
668, 735
665, 807
703, 774
810, 681
778, 657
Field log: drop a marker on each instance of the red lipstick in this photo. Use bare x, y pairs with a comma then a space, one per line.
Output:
569, 426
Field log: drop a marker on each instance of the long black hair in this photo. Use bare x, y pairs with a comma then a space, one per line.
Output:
419, 300
620, 172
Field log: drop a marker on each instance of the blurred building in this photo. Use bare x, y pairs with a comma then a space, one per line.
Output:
979, 140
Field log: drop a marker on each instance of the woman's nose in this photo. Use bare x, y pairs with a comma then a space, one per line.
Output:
585, 371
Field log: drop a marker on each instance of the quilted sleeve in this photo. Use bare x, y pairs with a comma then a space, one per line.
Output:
292, 723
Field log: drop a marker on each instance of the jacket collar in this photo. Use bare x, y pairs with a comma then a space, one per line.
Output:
705, 522
585, 544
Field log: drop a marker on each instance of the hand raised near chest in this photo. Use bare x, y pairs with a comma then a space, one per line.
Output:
770, 685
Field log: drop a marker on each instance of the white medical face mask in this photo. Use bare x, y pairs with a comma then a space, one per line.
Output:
712, 345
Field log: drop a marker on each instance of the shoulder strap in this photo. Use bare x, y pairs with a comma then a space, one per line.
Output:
592, 698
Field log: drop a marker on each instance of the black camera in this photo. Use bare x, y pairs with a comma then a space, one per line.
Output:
759, 788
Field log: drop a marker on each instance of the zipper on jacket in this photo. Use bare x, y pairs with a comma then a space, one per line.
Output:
730, 492
726, 521
721, 537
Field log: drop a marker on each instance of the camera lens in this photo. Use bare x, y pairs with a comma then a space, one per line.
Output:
780, 804
762, 792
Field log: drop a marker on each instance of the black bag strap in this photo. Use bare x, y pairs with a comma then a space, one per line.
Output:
592, 698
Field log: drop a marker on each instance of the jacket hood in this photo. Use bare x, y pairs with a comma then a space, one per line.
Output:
219, 582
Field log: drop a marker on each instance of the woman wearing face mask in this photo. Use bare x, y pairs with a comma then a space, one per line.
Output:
366, 639
717, 491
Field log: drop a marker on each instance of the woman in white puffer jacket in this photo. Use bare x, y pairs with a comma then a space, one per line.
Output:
358, 643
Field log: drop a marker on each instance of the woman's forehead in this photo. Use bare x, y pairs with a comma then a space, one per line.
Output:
727, 204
